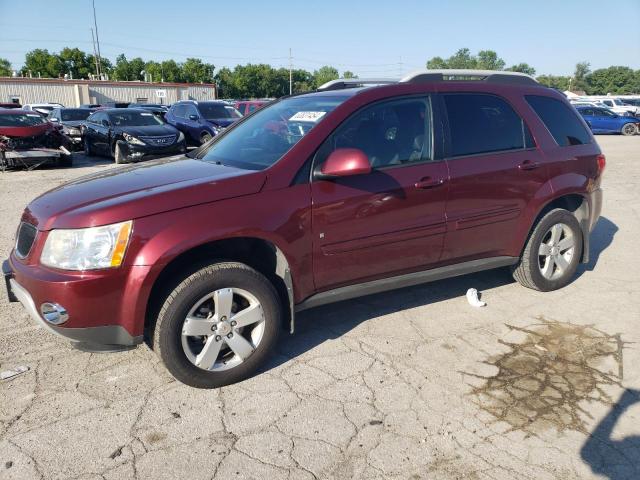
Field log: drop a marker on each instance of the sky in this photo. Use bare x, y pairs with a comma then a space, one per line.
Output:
370, 38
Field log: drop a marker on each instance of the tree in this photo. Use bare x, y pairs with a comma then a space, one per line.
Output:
580, 77
489, 60
437, 63
76, 63
523, 68
349, 74
5, 68
40, 62
554, 81
615, 80
195, 71
129, 69
325, 74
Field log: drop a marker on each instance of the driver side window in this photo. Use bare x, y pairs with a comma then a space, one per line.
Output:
390, 133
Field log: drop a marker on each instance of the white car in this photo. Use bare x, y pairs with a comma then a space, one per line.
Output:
618, 106
42, 108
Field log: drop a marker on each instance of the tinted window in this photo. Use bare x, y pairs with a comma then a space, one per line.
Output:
212, 111
190, 110
97, 117
131, 118
21, 120
484, 123
73, 114
560, 120
390, 133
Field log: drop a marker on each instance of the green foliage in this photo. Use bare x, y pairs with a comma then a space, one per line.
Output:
489, 60
349, 74
325, 74
614, 80
554, 81
41, 63
579, 81
5, 68
463, 59
523, 68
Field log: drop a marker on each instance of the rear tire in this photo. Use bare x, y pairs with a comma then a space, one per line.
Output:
552, 253
628, 129
173, 340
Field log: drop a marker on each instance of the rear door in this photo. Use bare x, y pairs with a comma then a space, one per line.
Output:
495, 171
392, 220
608, 121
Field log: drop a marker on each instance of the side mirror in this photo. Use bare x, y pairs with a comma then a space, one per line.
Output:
345, 162
105, 123
193, 117
54, 119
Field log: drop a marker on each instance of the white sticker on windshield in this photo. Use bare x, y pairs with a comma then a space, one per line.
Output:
147, 114
307, 116
35, 115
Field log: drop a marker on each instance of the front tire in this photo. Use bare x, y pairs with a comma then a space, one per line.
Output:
552, 253
218, 326
205, 137
118, 156
628, 129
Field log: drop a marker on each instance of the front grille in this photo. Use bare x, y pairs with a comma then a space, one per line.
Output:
159, 141
26, 236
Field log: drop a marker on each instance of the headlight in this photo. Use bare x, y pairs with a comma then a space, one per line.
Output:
132, 139
180, 137
87, 248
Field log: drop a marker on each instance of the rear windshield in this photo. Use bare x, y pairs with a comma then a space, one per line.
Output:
78, 114
561, 121
213, 111
134, 119
263, 138
21, 120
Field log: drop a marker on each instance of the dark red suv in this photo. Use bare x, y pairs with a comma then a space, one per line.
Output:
353, 189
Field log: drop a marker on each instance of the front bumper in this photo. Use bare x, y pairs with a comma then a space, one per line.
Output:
30, 158
99, 338
138, 152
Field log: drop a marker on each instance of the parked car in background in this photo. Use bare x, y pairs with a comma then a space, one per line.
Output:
320, 197
10, 105
130, 134
27, 139
618, 106
42, 108
115, 104
245, 107
71, 121
157, 109
90, 105
201, 121
603, 120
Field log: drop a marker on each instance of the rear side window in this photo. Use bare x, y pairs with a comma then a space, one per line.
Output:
564, 124
481, 123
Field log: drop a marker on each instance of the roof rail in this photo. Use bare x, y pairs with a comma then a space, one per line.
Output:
342, 83
489, 76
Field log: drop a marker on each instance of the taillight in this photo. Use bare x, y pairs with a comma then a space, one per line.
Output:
602, 162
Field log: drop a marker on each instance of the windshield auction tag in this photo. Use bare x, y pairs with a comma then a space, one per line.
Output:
307, 116
147, 114
34, 115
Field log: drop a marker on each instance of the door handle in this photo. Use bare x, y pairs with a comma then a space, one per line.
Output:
429, 182
528, 165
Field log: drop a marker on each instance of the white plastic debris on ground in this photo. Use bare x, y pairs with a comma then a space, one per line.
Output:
472, 298
7, 374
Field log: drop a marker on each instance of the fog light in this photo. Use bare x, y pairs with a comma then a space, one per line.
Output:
54, 313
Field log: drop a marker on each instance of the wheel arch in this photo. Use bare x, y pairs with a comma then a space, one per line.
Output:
574, 202
258, 253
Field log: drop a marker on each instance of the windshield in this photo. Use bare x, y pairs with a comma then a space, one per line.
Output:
134, 119
212, 111
79, 114
262, 139
21, 120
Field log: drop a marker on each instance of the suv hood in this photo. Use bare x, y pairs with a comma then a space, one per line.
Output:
137, 191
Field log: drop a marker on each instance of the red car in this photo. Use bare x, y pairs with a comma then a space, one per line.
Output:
363, 187
245, 107
10, 105
27, 139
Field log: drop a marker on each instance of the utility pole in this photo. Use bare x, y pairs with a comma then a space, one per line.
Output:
290, 73
95, 55
95, 24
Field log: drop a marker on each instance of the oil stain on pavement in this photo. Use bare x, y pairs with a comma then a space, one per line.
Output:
547, 379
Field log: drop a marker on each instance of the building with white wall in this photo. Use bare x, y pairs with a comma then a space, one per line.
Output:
73, 93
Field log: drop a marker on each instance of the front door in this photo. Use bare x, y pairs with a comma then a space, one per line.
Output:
392, 220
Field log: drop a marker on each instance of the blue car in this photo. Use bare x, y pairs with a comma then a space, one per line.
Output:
602, 120
201, 121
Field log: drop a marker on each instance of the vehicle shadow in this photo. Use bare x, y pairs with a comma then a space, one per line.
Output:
315, 326
616, 459
601, 237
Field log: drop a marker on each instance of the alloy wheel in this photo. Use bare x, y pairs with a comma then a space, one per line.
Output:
556, 251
